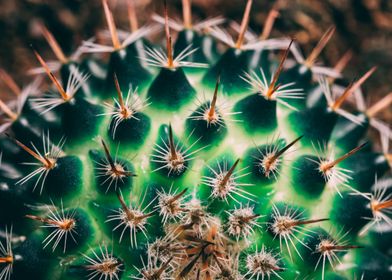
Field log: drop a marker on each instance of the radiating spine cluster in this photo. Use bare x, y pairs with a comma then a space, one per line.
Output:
217, 157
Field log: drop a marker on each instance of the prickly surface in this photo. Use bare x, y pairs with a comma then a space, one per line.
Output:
237, 164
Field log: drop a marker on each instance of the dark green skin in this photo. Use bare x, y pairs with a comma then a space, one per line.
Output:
64, 180
80, 119
132, 131
300, 74
302, 77
381, 240
258, 114
190, 37
171, 89
351, 212
366, 166
372, 264
230, 67
260, 59
97, 71
346, 134
14, 201
316, 124
126, 65
33, 259
309, 181
23, 129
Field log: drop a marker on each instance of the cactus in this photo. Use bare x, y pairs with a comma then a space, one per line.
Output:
193, 161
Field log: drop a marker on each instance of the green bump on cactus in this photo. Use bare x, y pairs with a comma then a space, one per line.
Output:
112, 174
217, 158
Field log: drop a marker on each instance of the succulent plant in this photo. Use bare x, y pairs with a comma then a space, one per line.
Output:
217, 157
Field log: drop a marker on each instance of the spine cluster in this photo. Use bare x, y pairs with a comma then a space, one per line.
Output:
224, 155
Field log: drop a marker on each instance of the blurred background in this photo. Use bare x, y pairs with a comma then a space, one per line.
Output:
362, 26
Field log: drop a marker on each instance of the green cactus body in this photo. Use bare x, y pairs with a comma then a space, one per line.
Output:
193, 164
